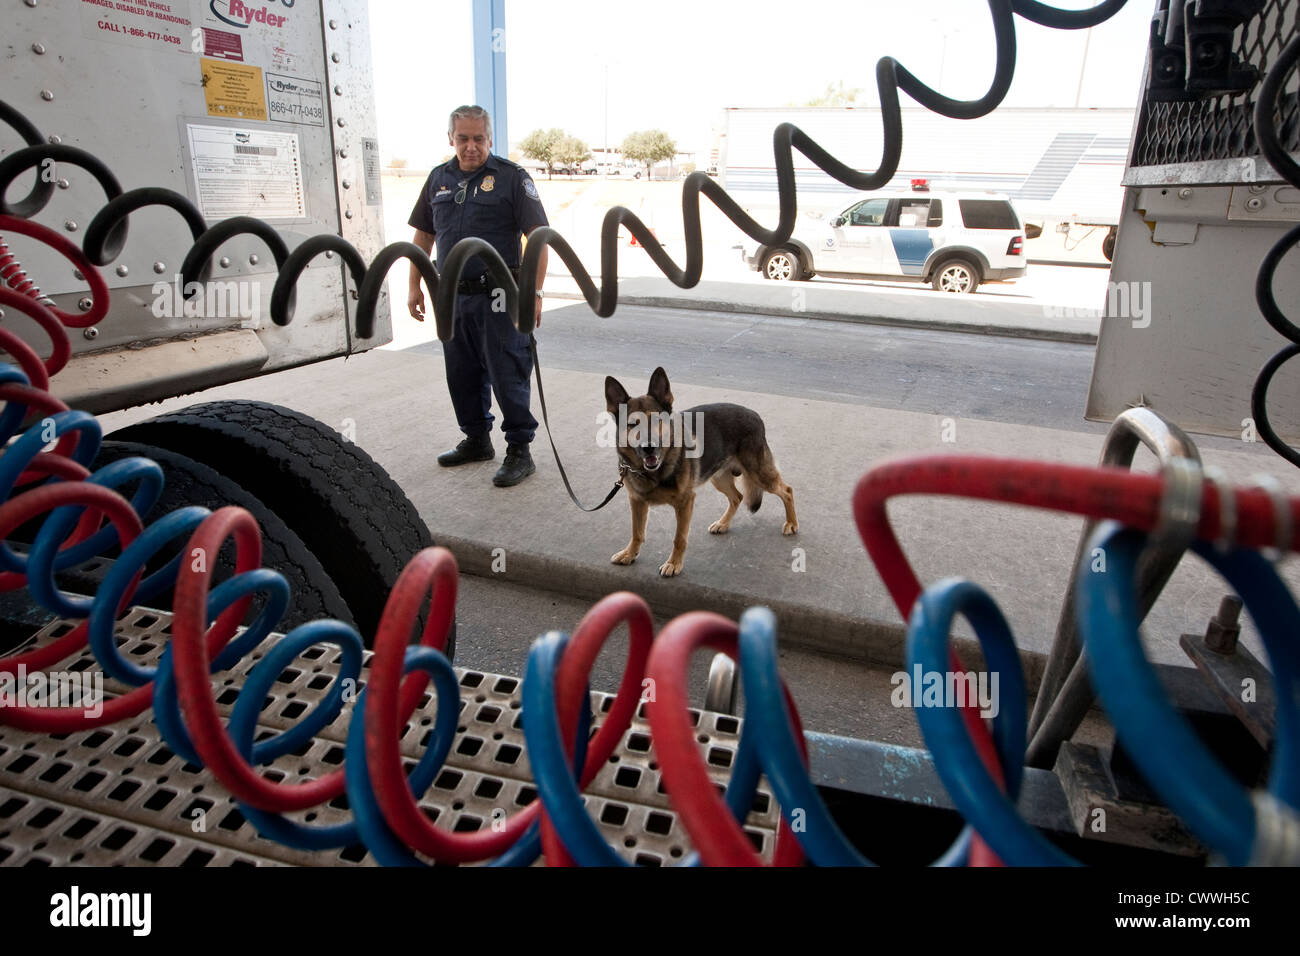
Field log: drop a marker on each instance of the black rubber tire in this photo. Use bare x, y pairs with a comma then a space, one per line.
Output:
1108, 245
790, 256
936, 278
344, 506
189, 482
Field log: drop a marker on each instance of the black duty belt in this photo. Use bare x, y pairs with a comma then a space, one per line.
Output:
481, 285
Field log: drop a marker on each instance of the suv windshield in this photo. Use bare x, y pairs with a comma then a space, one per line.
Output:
988, 214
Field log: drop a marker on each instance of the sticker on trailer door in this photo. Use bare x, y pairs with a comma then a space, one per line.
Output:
292, 99
143, 24
222, 44
233, 90
246, 172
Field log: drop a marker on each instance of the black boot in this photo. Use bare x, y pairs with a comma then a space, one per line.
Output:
470, 449
517, 466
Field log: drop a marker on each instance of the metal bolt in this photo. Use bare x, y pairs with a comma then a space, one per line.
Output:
38, 48
329, 253
84, 303
338, 89
91, 333
343, 153
224, 262
1222, 633
30, 3
160, 267
334, 24
1257, 188
252, 259
342, 121
122, 271
1254, 204
56, 139
347, 184
70, 225
64, 184
47, 95
76, 274
1184, 193
335, 57
348, 214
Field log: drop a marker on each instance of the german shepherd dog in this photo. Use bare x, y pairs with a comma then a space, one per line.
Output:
663, 458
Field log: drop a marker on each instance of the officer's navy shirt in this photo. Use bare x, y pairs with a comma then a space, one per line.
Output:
501, 202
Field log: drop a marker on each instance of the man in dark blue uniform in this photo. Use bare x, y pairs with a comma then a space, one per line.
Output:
481, 195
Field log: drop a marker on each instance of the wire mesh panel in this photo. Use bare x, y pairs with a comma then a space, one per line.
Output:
118, 795
1222, 127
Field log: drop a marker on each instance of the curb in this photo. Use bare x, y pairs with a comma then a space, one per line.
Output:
804, 626
971, 328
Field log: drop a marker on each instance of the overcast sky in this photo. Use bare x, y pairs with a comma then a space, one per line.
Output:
677, 65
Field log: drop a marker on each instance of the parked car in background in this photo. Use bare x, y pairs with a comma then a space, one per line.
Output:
954, 240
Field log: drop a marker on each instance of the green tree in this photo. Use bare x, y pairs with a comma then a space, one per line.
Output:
836, 94
540, 145
570, 151
649, 146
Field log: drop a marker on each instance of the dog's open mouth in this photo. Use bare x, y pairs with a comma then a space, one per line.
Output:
651, 462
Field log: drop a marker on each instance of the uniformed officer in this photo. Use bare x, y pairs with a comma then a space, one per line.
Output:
481, 195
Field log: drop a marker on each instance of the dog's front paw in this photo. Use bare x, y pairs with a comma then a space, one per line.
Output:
670, 568
626, 556
720, 527
790, 527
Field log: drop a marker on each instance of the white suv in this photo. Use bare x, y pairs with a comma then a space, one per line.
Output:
953, 240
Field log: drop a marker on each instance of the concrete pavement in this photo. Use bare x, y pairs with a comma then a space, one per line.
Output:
397, 404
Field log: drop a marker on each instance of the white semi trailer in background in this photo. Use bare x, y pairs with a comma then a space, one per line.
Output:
1062, 168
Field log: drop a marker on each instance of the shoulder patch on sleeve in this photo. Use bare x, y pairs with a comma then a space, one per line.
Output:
530, 189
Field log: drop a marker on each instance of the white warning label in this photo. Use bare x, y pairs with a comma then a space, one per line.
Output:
246, 172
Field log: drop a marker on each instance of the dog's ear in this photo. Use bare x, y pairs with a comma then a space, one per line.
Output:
615, 394
659, 389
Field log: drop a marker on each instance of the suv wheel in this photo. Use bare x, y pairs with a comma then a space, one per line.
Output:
782, 265
956, 275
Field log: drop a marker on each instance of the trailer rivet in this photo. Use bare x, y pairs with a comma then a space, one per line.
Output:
56, 139
225, 262
342, 121
1184, 193
38, 48
70, 225
329, 253
84, 303
1254, 204
348, 214
334, 24
159, 267
1257, 188
335, 57
347, 184
64, 184
338, 89
47, 95
343, 153
76, 274
252, 259
122, 271
30, 3
91, 333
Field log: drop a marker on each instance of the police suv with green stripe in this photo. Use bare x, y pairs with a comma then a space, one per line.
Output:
953, 240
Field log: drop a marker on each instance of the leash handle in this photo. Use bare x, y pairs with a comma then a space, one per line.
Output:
541, 398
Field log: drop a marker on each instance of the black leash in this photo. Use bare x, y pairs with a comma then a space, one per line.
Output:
541, 398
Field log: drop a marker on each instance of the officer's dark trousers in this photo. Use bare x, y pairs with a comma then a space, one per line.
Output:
488, 355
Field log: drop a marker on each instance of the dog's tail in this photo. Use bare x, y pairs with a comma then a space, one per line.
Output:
752, 491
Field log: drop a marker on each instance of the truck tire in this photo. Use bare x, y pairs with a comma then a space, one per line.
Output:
334, 496
956, 275
188, 482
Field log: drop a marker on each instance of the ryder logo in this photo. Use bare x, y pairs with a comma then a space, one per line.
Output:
240, 14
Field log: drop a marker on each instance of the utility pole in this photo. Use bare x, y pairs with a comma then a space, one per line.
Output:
1087, 40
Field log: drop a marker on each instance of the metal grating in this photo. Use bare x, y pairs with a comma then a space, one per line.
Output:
118, 796
1222, 127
